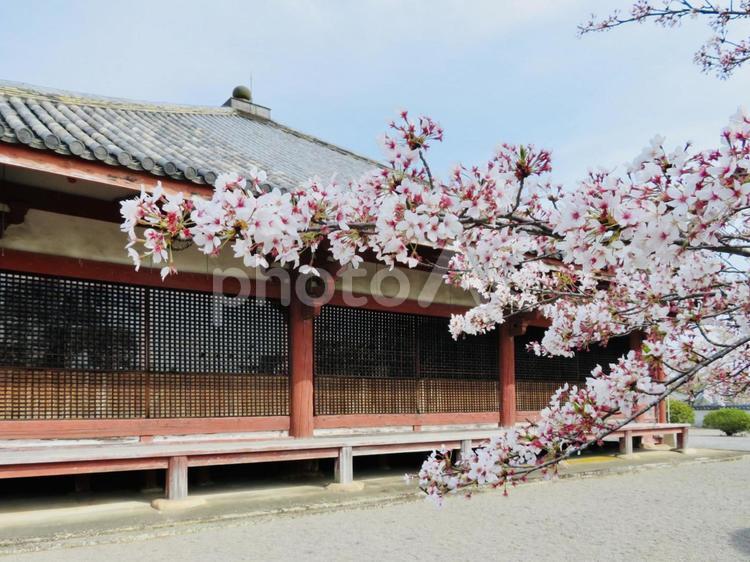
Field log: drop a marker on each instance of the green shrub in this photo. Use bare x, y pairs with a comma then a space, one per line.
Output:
680, 412
728, 420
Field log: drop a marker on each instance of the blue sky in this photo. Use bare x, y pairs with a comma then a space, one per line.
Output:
489, 71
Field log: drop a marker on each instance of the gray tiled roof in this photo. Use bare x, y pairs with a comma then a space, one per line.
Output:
191, 143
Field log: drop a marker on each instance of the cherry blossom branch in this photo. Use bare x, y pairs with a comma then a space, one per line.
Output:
504, 461
654, 249
719, 54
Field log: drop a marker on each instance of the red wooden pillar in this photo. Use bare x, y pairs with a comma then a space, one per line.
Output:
507, 376
301, 368
661, 407
636, 343
636, 340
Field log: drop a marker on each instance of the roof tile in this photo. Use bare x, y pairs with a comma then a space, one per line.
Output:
190, 143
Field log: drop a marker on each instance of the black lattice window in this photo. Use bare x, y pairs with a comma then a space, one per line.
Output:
72, 349
192, 332
386, 362
53, 323
537, 378
365, 343
468, 357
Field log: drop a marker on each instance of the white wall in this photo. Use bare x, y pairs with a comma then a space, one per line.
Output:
63, 235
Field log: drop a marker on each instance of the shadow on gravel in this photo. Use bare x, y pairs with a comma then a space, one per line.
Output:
741, 540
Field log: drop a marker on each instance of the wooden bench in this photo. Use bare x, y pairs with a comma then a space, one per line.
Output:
626, 434
177, 457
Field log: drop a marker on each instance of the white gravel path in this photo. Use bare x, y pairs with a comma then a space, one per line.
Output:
688, 512
701, 438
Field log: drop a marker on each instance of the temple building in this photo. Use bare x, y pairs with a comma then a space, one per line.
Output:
90, 349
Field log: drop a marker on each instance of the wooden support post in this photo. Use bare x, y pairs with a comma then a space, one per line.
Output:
344, 467
177, 478
466, 450
626, 443
301, 367
507, 377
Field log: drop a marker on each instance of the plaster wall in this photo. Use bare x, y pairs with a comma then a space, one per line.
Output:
74, 237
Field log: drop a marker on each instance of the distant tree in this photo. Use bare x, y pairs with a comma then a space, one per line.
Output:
721, 54
729, 420
680, 412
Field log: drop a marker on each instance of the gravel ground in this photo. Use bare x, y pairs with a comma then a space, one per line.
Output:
689, 512
714, 439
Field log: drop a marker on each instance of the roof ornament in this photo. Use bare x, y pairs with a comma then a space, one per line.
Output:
242, 93
242, 101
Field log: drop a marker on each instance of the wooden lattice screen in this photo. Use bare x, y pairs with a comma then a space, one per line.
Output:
373, 362
537, 378
73, 349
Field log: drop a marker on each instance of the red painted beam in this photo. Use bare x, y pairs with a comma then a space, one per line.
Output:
527, 415
407, 448
43, 161
262, 456
44, 264
409, 306
87, 467
381, 420
59, 202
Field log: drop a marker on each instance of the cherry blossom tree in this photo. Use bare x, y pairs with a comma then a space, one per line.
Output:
721, 54
660, 249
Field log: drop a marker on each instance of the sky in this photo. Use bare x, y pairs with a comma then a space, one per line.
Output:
490, 71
